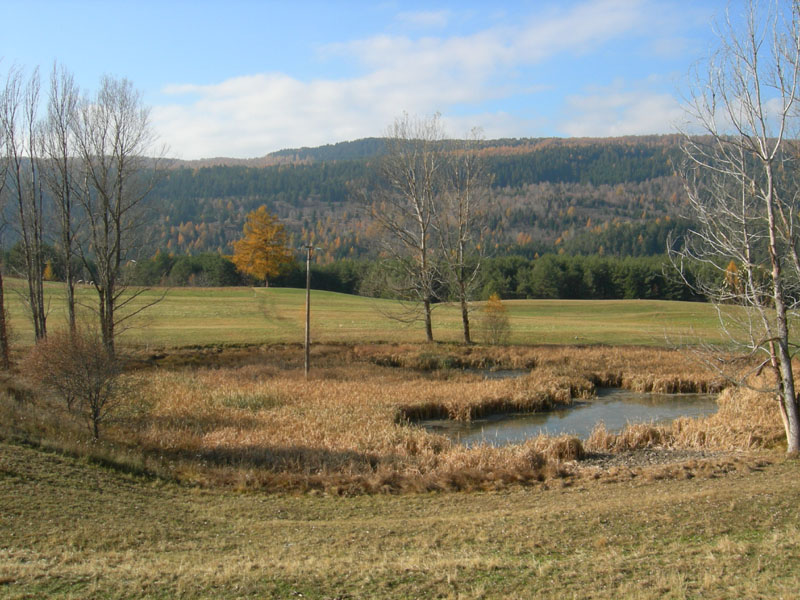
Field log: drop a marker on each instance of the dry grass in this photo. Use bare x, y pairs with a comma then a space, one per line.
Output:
249, 427
746, 420
348, 428
72, 529
635, 368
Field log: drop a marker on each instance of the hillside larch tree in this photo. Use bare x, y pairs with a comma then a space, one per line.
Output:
263, 249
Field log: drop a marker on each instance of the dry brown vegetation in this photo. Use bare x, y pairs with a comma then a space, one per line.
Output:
76, 367
746, 420
256, 422
74, 529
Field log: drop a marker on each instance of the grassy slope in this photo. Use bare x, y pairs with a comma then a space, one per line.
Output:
70, 529
203, 316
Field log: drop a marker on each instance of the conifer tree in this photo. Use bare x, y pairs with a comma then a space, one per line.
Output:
262, 250
496, 327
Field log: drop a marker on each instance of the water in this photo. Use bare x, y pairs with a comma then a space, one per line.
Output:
614, 407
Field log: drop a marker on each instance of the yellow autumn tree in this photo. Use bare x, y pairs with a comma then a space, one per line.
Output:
732, 277
49, 274
494, 321
262, 249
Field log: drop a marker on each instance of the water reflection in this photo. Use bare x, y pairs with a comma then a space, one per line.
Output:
614, 407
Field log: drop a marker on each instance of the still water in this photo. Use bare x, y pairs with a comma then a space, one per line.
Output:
614, 407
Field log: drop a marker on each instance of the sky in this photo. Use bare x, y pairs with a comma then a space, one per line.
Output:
243, 78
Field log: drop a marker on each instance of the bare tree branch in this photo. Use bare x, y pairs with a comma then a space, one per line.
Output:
742, 188
412, 176
113, 137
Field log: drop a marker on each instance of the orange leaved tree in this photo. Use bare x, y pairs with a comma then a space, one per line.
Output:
262, 249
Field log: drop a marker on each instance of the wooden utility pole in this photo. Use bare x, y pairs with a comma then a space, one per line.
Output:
307, 346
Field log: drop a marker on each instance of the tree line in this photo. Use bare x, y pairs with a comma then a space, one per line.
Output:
601, 162
550, 276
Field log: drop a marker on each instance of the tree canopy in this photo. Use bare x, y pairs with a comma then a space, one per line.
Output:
262, 250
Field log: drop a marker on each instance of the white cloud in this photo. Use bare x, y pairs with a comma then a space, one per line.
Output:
493, 125
579, 30
621, 110
249, 116
253, 115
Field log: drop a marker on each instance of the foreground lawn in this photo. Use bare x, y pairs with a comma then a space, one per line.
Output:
210, 316
72, 529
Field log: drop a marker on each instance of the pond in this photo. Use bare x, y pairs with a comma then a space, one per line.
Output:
612, 406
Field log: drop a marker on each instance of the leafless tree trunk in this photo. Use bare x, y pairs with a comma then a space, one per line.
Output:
456, 217
21, 129
112, 138
412, 178
743, 192
5, 361
5, 346
59, 169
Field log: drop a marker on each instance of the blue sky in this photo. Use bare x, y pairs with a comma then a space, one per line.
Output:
242, 78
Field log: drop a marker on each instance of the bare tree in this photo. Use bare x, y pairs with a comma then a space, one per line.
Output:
113, 137
75, 366
5, 343
58, 170
411, 173
741, 182
18, 116
5, 361
457, 213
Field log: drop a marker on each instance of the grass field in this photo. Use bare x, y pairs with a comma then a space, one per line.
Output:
72, 529
209, 316
226, 474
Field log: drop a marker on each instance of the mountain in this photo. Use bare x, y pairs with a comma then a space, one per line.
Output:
547, 194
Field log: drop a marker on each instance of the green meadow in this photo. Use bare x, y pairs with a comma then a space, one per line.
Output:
185, 317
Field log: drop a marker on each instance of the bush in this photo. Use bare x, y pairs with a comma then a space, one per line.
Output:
75, 366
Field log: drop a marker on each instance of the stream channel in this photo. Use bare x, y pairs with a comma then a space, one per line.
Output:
612, 406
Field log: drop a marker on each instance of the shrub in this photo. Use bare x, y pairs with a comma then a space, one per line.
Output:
75, 366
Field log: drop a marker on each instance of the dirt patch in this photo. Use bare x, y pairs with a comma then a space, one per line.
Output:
647, 458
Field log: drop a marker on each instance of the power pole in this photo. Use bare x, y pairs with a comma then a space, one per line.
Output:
307, 346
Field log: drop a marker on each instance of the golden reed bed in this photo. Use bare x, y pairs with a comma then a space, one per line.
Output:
248, 418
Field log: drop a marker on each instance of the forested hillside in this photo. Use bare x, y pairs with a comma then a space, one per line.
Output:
606, 196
